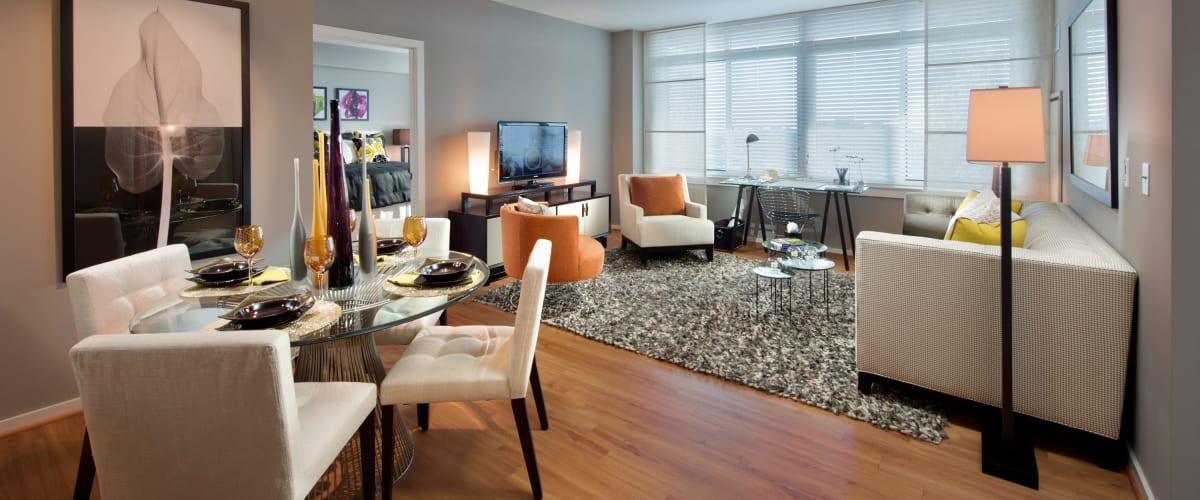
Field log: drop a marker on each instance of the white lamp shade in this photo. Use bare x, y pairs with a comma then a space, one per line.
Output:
1006, 125
1095, 152
574, 145
479, 145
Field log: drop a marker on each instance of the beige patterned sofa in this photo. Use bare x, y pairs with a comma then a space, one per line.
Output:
929, 314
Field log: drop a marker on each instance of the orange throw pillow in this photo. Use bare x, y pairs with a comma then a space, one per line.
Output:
658, 194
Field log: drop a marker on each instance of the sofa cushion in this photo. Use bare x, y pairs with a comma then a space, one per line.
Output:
658, 194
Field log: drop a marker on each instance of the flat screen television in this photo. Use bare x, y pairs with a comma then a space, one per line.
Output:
531, 150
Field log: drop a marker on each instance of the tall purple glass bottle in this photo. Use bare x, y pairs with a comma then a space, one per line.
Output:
341, 273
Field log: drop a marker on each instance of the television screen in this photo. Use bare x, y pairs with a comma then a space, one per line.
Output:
531, 150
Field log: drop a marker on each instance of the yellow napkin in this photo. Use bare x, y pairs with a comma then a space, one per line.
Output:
271, 275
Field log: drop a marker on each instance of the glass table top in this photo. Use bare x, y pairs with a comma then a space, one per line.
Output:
367, 306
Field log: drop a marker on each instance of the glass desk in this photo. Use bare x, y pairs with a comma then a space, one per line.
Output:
832, 192
342, 351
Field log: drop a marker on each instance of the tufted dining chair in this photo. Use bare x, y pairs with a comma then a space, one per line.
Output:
203, 415
106, 297
437, 241
470, 363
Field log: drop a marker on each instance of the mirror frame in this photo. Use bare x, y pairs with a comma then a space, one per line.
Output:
1105, 196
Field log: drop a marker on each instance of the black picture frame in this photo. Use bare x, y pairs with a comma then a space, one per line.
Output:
107, 209
320, 103
1106, 195
347, 98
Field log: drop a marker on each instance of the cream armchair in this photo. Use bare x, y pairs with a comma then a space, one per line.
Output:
688, 230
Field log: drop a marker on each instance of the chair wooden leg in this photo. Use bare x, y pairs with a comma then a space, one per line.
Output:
642, 253
423, 416
536, 383
388, 424
86, 474
442, 318
522, 420
708, 252
366, 446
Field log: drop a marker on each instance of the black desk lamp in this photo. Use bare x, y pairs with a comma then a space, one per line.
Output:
1006, 125
749, 139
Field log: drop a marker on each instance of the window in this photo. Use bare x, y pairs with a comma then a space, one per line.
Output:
881, 88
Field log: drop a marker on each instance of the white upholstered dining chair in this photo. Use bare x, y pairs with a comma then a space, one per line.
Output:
106, 297
471, 363
437, 241
214, 415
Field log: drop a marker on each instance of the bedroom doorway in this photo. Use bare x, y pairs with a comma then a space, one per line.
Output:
387, 73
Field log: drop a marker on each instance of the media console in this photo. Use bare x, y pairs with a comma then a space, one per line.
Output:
475, 227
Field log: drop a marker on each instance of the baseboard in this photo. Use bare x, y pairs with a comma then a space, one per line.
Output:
38, 416
1138, 477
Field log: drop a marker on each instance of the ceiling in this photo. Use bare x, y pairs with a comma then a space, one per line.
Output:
618, 15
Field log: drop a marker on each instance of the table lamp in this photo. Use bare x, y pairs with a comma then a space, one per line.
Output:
1006, 125
749, 139
402, 137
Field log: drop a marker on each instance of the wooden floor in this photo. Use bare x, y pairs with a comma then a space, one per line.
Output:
626, 426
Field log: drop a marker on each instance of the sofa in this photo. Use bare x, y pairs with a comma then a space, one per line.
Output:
928, 314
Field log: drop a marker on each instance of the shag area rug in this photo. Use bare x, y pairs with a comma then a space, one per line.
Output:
701, 316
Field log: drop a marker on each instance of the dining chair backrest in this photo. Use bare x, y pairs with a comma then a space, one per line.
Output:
190, 415
529, 318
437, 232
106, 297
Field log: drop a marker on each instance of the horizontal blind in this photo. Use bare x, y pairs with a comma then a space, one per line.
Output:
847, 79
976, 44
673, 104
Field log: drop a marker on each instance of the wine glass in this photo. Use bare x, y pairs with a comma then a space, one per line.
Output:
353, 220
414, 230
318, 255
248, 240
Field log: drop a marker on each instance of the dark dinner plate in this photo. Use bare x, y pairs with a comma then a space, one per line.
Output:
270, 312
387, 246
444, 272
222, 271
225, 280
423, 281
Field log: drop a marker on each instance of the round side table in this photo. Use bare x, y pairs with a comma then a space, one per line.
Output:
821, 265
777, 278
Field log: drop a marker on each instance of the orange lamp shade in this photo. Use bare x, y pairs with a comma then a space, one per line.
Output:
1095, 152
1006, 125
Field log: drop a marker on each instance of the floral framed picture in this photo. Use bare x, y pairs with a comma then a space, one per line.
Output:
354, 104
155, 127
319, 103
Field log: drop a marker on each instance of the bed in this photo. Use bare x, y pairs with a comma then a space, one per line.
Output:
391, 183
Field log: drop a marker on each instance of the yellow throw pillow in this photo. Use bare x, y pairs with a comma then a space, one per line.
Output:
1016, 208
987, 234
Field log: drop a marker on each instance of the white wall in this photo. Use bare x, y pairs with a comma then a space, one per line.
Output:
34, 309
384, 74
487, 62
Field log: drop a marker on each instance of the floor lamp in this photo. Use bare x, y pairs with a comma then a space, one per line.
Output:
1006, 125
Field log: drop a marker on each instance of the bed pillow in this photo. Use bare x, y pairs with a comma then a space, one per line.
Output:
373, 142
349, 149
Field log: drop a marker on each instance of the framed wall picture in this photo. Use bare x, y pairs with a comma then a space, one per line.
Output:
354, 104
155, 127
320, 104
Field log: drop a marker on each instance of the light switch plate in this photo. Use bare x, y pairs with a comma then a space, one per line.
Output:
1146, 178
1125, 171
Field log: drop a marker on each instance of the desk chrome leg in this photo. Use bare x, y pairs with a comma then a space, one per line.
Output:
354, 359
837, 208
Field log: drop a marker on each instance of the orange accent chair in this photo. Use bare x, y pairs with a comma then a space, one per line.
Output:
576, 257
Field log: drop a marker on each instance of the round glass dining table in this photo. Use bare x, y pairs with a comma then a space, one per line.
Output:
344, 350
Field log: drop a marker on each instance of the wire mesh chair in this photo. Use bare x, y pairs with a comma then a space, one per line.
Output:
783, 205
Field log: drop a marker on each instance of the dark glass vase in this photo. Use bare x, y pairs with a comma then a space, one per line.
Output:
341, 273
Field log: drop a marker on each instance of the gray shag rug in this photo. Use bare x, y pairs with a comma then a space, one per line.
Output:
701, 316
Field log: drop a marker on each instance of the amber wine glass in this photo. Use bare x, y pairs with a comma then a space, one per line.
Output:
414, 230
353, 221
318, 255
248, 240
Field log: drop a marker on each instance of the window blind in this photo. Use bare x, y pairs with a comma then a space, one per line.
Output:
673, 104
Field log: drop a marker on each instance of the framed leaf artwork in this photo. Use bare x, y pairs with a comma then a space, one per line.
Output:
320, 104
156, 127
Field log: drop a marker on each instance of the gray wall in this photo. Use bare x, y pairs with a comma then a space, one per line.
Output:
626, 114
487, 62
383, 73
34, 309
1149, 230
